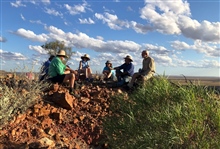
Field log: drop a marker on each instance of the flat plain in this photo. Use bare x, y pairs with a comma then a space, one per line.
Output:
197, 80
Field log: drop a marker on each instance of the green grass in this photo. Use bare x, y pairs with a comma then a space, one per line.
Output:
162, 115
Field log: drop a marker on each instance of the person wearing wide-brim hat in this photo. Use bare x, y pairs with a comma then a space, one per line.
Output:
128, 70
85, 68
86, 56
59, 72
108, 71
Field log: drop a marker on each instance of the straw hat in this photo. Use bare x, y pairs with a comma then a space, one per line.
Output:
85, 56
61, 53
129, 57
108, 62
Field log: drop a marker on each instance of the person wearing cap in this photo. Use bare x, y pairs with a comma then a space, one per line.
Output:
85, 68
108, 71
147, 71
59, 72
128, 70
45, 68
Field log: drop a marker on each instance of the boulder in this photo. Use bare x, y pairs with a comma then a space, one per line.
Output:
64, 100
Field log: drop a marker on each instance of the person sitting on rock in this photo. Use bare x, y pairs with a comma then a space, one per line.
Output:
85, 68
147, 71
108, 71
128, 71
45, 68
59, 72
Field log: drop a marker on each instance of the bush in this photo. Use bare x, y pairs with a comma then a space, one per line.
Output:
163, 115
17, 96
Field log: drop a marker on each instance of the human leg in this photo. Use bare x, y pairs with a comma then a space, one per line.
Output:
118, 75
133, 79
71, 78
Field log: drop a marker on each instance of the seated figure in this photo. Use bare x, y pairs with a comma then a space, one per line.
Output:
108, 71
128, 71
85, 68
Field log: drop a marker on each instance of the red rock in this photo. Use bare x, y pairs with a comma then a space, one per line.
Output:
64, 100
50, 131
47, 122
46, 143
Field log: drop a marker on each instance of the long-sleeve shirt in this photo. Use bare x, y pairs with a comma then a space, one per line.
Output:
148, 66
56, 67
129, 68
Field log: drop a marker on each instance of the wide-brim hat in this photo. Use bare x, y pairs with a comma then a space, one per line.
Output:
129, 57
85, 56
61, 53
108, 62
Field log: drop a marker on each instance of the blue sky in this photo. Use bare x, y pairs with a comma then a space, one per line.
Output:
183, 37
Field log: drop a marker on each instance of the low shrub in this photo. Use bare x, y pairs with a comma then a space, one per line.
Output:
16, 96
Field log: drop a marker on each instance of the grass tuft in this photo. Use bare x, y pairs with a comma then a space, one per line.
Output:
163, 115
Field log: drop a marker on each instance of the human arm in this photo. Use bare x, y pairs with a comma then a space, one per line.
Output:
129, 69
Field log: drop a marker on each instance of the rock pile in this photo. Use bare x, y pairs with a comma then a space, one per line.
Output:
61, 120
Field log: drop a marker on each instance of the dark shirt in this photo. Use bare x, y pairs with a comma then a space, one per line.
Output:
45, 67
127, 68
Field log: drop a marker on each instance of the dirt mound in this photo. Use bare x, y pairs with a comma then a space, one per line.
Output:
61, 120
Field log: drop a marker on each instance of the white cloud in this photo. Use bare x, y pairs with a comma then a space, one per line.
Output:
22, 17
46, 1
112, 21
205, 31
77, 9
53, 12
86, 21
178, 45
17, 3
157, 49
31, 35
199, 46
37, 22
38, 49
6, 55
174, 18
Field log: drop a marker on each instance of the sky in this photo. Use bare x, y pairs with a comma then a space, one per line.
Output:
182, 36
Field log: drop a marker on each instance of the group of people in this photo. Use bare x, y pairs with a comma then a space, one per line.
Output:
58, 72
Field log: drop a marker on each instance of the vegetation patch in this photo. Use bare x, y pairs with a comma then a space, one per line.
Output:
161, 114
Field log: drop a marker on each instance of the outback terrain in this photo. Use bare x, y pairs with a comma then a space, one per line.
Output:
60, 120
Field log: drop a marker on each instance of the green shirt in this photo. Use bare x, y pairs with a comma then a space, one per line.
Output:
56, 67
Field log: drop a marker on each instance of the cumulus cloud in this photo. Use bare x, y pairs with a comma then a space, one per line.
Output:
196, 64
199, 46
31, 35
112, 21
38, 49
174, 18
6, 55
